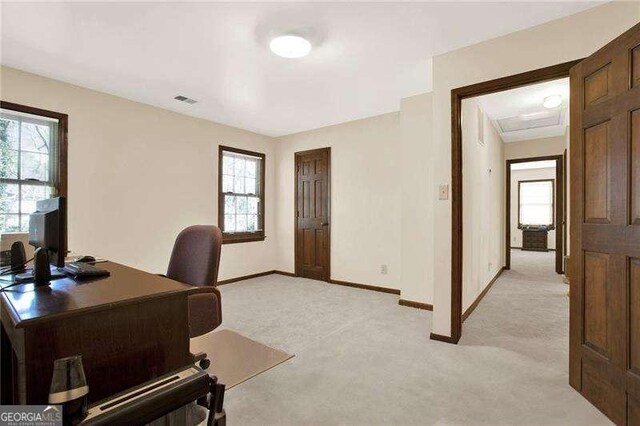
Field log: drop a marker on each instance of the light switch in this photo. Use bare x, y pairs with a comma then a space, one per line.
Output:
443, 193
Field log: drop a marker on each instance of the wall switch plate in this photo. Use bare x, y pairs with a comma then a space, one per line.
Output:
443, 192
383, 269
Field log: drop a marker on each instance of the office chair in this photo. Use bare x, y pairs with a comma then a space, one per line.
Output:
195, 260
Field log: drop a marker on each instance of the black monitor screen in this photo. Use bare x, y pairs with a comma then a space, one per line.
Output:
48, 228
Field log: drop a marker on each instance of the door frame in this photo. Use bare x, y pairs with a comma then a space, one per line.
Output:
295, 209
457, 95
559, 207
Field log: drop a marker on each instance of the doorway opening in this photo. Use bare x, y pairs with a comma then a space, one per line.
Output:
457, 96
536, 209
501, 128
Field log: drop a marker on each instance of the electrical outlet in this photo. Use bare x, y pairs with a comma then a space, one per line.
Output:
383, 269
443, 192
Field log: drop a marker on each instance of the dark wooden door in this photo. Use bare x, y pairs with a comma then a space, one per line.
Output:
312, 214
605, 234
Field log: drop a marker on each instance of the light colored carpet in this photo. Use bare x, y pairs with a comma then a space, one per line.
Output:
362, 359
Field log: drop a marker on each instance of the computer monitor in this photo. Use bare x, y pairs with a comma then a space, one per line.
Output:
48, 228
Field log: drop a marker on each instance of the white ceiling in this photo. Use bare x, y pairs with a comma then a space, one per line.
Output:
366, 55
523, 107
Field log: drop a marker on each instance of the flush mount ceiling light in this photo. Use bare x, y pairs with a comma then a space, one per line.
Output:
290, 46
552, 101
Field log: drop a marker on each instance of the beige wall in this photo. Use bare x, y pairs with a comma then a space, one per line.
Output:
529, 174
417, 180
378, 183
365, 198
552, 43
535, 148
139, 174
484, 200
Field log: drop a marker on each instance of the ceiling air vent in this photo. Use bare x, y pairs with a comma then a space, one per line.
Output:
531, 121
185, 99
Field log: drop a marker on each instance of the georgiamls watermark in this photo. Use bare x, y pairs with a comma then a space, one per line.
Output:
30, 415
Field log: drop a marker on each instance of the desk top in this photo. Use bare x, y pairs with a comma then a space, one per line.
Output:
27, 305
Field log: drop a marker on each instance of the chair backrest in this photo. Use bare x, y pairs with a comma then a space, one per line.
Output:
196, 256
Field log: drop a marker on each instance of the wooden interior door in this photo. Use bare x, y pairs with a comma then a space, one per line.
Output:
313, 214
605, 234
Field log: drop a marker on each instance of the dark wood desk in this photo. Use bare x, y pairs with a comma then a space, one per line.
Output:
129, 328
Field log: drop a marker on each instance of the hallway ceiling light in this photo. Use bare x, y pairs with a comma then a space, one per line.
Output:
552, 101
290, 46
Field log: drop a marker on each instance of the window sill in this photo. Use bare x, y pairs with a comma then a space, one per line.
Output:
233, 239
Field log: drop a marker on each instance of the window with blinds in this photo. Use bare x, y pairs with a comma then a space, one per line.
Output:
241, 195
29, 164
536, 202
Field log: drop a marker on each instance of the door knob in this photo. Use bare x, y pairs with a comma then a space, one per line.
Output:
324, 224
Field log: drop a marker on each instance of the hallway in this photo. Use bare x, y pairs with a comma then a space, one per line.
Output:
526, 311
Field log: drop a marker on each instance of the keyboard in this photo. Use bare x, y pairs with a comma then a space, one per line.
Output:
82, 270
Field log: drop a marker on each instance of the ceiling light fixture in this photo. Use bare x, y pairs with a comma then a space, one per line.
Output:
552, 101
290, 46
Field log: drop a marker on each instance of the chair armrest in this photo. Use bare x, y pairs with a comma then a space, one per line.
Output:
209, 289
204, 290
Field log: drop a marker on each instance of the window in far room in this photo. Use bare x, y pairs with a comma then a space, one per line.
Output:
535, 199
32, 162
241, 195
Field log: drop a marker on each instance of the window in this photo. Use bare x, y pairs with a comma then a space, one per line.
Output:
32, 162
535, 202
241, 195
